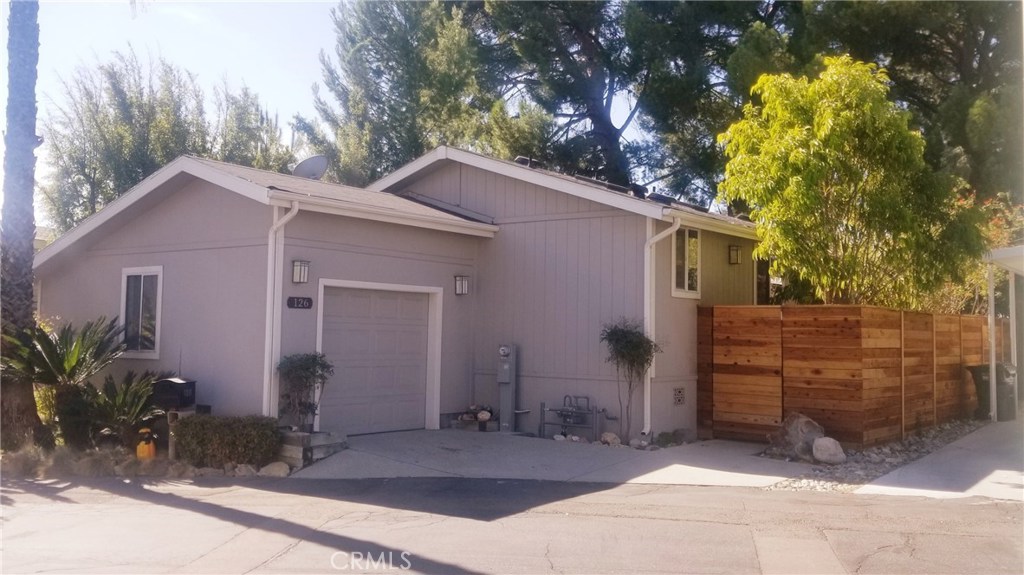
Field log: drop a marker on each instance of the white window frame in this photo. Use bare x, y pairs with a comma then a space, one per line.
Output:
676, 290
158, 271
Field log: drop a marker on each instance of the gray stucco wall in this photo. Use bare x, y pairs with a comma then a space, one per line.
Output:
559, 268
212, 245
341, 248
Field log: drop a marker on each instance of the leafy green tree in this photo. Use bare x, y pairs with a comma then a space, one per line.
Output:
840, 190
19, 419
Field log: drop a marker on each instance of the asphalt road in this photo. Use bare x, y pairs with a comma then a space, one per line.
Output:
446, 525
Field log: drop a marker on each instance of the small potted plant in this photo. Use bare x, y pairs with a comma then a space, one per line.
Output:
303, 376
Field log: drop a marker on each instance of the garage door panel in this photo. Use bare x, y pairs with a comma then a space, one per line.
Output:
377, 341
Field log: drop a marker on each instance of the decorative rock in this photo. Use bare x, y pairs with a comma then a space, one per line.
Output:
864, 466
795, 438
210, 472
245, 470
275, 469
635, 443
229, 469
483, 416
559, 437
828, 450
609, 438
653, 448
181, 470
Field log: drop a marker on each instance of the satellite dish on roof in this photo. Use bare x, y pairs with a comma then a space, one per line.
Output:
312, 167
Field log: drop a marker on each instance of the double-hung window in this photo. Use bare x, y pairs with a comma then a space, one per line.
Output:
140, 305
686, 263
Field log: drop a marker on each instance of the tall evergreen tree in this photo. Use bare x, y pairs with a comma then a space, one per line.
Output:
406, 77
18, 415
703, 58
119, 122
957, 68
575, 64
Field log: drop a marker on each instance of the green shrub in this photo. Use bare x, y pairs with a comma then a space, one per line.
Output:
120, 410
212, 441
22, 464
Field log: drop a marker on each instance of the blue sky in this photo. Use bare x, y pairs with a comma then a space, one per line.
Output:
271, 47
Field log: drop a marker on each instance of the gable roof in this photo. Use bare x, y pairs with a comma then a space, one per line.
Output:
268, 188
444, 155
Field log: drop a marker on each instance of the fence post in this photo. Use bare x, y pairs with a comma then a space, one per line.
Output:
903, 376
935, 373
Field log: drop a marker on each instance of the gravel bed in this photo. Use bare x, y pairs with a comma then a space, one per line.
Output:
865, 466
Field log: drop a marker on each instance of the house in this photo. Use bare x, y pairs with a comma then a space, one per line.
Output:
218, 271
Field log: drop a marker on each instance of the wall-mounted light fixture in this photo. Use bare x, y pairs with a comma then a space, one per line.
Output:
734, 255
461, 285
300, 271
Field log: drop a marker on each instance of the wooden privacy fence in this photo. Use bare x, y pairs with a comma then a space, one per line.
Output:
868, 375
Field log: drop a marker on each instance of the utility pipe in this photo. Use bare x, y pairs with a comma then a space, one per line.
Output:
273, 271
649, 285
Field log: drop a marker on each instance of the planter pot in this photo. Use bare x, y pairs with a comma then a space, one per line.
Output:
300, 448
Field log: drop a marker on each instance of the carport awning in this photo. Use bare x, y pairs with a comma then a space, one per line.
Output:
1009, 258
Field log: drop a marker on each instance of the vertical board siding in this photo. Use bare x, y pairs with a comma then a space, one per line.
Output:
747, 360
557, 270
867, 375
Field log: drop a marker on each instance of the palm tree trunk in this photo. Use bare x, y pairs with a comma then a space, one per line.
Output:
18, 415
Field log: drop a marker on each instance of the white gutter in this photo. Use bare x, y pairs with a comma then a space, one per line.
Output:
649, 284
273, 274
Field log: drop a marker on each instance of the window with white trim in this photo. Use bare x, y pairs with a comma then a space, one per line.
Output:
140, 306
686, 263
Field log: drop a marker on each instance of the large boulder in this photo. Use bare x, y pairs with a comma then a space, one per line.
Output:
609, 438
795, 438
275, 469
828, 450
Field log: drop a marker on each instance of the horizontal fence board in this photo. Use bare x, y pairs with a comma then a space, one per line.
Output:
870, 374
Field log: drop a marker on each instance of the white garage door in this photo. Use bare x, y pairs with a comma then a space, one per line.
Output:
377, 341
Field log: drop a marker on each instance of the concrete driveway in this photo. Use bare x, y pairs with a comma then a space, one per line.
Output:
454, 453
988, 463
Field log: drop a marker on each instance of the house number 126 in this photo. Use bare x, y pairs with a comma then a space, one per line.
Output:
300, 303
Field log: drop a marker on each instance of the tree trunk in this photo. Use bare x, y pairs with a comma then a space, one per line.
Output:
18, 415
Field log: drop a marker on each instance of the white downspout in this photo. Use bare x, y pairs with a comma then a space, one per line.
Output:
649, 286
273, 271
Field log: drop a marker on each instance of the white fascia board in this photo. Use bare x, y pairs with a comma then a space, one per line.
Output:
183, 164
426, 160
692, 220
334, 207
618, 200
